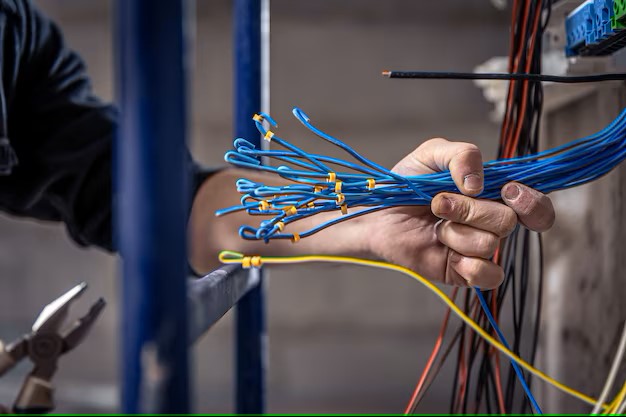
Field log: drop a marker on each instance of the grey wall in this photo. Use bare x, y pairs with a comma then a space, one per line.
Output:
342, 339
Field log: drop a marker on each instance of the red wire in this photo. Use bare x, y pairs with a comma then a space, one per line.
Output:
531, 46
507, 124
463, 371
496, 357
432, 357
509, 103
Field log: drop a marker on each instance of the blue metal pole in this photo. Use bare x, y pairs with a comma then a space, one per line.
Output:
250, 324
151, 204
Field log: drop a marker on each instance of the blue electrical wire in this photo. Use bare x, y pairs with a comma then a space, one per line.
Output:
518, 371
316, 188
364, 184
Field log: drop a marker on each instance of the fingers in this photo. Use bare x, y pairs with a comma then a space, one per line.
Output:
464, 161
486, 215
475, 272
467, 240
534, 209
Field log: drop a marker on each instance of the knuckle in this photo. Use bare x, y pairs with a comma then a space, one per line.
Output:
508, 221
470, 147
476, 269
468, 150
486, 244
464, 210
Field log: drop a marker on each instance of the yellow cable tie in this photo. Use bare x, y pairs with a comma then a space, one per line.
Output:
280, 226
338, 186
371, 183
258, 118
318, 189
311, 204
344, 208
256, 261
295, 238
291, 210
332, 177
251, 261
340, 199
264, 205
268, 136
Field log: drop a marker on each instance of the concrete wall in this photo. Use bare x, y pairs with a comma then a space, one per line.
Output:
342, 339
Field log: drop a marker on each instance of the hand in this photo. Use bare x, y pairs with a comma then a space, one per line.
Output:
454, 239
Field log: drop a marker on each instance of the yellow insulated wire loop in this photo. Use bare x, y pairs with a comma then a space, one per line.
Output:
332, 177
338, 185
230, 257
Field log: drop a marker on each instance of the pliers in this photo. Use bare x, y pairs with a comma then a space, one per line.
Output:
44, 345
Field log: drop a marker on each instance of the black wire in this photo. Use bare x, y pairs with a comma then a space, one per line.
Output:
538, 306
565, 79
455, 382
515, 251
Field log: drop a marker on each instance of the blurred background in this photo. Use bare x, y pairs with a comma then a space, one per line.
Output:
342, 339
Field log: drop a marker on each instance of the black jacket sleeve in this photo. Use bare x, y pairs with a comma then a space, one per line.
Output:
60, 132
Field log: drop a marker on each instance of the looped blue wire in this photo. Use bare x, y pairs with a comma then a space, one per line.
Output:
311, 192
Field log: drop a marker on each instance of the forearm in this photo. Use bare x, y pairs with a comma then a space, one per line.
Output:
210, 234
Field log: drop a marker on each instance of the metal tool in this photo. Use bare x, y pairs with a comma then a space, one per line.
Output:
44, 345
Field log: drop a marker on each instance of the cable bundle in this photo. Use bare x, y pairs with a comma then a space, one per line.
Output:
316, 187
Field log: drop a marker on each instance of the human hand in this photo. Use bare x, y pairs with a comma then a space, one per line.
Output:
454, 239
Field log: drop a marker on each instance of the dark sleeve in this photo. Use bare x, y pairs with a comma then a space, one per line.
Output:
61, 133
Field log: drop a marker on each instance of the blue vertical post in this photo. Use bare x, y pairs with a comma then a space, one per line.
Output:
151, 202
250, 314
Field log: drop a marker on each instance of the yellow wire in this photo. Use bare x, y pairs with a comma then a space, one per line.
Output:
230, 257
617, 401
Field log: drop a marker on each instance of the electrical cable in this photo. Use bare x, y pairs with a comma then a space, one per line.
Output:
621, 408
431, 376
518, 371
315, 190
231, 257
432, 357
617, 361
446, 75
617, 406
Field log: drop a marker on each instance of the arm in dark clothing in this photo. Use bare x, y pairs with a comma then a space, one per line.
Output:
61, 133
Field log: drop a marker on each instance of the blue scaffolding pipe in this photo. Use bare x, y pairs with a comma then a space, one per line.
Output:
250, 324
213, 295
151, 205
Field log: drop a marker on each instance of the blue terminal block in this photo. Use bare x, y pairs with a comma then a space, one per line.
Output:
603, 28
578, 25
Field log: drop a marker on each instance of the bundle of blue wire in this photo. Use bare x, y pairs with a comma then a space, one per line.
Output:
318, 187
